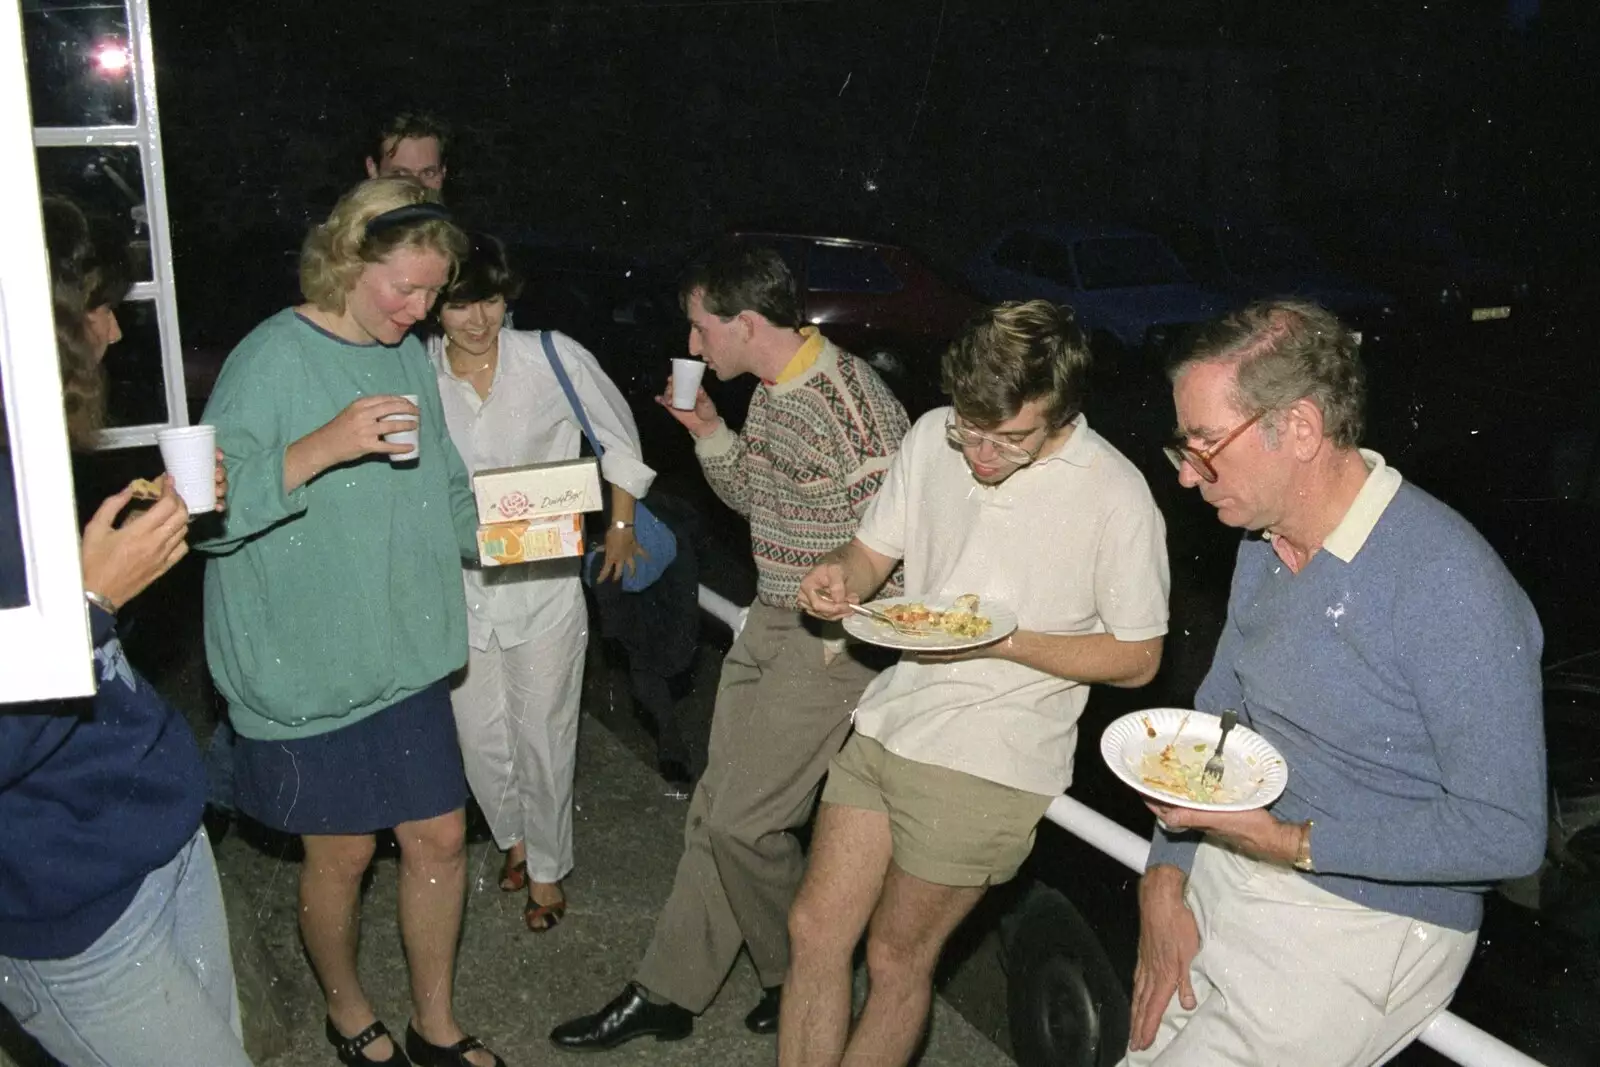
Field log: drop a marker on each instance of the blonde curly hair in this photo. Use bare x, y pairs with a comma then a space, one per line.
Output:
338, 250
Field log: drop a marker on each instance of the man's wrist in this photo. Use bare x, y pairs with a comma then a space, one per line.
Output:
1162, 882
709, 429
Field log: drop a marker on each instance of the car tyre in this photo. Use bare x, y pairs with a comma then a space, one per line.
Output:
1064, 1004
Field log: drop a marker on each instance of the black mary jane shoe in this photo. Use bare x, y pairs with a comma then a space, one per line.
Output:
349, 1049
763, 1018
426, 1054
629, 1016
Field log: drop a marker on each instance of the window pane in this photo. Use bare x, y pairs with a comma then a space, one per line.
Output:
80, 70
847, 269
136, 391
103, 181
1052, 260
13, 574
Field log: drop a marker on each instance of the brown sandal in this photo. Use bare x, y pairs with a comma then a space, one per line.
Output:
513, 876
541, 917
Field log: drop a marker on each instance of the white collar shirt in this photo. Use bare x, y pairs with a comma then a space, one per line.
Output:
1073, 543
526, 419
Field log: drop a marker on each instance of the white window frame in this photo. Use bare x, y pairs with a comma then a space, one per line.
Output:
144, 134
45, 646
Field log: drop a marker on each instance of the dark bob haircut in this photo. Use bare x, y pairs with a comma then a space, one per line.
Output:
484, 273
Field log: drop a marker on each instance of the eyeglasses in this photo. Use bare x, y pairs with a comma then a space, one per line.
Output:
1011, 452
1180, 453
426, 175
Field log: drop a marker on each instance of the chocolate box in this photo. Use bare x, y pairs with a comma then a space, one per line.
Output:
522, 541
537, 490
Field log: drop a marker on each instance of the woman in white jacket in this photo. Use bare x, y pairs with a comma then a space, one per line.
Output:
517, 708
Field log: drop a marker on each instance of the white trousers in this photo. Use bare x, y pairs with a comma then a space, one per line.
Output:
1289, 975
517, 716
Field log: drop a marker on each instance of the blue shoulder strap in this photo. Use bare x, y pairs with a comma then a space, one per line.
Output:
572, 395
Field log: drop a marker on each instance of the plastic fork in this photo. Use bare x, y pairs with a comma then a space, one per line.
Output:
876, 616
1214, 766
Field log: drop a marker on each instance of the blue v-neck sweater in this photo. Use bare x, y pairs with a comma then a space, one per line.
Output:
1403, 689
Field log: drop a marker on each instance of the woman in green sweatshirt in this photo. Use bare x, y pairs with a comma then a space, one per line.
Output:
334, 608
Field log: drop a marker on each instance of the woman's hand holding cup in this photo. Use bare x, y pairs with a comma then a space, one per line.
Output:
359, 429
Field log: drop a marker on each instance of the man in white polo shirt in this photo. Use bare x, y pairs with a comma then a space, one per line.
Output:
1009, 495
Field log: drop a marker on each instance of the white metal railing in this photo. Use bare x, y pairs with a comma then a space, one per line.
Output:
1449, 1035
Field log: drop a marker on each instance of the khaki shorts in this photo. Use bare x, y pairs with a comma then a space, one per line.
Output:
948, 828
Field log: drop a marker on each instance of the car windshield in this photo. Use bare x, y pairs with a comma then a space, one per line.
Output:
1127, 262
1267, 249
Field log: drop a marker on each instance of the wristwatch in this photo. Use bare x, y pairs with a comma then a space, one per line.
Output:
1302, 855
101, 602
618, 524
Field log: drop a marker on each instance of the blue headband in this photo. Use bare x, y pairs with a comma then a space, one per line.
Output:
425, 211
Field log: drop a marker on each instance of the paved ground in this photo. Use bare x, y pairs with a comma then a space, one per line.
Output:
513, 985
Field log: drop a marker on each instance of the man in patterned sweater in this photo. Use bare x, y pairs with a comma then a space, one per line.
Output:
820, 436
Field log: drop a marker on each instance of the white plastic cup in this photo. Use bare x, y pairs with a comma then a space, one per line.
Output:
686, 375
405, 437
190, 455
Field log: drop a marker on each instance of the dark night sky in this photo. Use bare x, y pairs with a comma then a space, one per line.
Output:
640, 124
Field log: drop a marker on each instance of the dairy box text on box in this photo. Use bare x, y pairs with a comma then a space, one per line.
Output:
537, 490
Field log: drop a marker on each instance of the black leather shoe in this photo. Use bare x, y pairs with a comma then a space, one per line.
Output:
763, 1018
629, 1016
351, 1050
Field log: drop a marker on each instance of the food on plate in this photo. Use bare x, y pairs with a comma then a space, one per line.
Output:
1179, 770
144, 489
962, 620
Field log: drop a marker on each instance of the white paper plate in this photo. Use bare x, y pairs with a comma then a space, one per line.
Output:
1002, 620
1255, 773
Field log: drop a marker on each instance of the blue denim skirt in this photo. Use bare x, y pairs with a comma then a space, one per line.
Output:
401, 764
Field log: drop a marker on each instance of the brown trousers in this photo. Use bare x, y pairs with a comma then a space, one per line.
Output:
782, 713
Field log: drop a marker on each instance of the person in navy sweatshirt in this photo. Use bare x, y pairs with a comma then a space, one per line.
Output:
1381, 646
113, 939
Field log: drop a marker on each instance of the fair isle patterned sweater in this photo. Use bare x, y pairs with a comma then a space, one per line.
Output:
813, 452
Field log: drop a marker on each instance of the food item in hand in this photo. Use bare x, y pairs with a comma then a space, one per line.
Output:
962, 621
144, 489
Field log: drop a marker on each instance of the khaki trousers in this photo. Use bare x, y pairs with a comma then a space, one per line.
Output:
1290, 975
782, 712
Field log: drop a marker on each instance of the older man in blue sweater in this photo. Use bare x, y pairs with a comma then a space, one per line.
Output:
1380, 644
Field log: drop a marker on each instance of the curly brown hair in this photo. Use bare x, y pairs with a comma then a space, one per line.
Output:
89, 269
1015, 352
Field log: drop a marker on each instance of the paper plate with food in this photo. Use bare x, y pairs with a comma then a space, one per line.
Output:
917, 624
1162, 753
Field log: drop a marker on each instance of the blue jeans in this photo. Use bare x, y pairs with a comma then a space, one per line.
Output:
155, 990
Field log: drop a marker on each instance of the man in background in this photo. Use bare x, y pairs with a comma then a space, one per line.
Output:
412, 144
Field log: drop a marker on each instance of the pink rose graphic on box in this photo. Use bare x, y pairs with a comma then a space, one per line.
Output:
513, 504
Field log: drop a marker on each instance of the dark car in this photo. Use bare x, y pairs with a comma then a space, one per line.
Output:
1250, 259
895, 307
1533, 489
1425, 262
1132, 295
